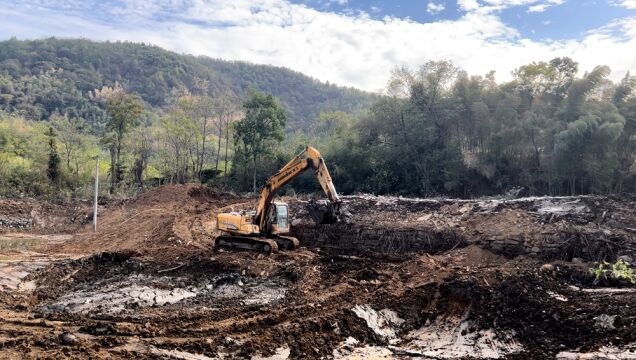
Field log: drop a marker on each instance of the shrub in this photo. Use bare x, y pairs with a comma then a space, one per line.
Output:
619, 271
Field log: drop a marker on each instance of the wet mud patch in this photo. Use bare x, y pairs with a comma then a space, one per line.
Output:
520, 314
118, 284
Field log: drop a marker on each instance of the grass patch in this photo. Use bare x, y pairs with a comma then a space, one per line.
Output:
19, 243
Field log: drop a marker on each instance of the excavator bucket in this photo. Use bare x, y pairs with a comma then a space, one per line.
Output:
324, 211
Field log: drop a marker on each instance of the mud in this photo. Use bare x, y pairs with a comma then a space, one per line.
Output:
586, 227
150, 285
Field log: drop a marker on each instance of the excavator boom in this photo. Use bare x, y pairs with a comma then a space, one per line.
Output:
308, 158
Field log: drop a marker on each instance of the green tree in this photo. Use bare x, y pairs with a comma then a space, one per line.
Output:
53, 169
180, 133
70, 135
260, 129
124, 111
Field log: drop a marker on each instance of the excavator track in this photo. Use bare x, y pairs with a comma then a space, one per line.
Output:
258, 244
286, 242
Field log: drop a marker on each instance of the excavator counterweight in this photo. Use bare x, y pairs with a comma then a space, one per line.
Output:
264, 229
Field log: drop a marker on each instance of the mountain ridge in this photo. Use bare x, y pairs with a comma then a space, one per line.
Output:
41, 77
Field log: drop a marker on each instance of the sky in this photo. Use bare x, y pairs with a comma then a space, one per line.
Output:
350, 42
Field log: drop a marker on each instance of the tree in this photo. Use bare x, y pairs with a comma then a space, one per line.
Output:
225, 111
70, 134
124, 111
53, 169
261, 128
180, 134
625, 101
141, 146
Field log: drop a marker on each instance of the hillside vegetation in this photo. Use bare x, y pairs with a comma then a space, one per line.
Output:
43, 77
157, 117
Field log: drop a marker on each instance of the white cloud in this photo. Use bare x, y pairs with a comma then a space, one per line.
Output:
433, 8
629, 4
353, 50
544, 6
497, 5
468, 5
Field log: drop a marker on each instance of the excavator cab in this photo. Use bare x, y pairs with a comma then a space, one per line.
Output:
280, 218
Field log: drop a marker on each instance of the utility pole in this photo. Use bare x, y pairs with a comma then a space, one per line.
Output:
96, 192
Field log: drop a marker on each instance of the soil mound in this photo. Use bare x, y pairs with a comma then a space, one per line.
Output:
163, 222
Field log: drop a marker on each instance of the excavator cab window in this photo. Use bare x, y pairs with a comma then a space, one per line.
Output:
281, 216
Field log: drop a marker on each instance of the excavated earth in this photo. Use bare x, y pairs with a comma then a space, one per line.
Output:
396, 278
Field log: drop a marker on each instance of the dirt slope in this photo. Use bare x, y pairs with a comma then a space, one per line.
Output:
157, 223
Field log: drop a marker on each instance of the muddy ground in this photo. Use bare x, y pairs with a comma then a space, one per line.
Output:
398, 278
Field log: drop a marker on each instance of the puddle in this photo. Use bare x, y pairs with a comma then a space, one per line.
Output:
246, 291
176, 354
114, 297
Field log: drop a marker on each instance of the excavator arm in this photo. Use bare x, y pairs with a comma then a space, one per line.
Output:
308, 158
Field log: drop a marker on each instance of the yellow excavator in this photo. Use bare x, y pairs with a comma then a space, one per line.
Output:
264, 229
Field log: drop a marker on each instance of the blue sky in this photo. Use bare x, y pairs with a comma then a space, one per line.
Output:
559, 20
350, 42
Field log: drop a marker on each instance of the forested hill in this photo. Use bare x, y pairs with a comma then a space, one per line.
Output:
42, 77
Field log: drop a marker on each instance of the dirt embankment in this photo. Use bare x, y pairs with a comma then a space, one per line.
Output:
162, 223
585, 227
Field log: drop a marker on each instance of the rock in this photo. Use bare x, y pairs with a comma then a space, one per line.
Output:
577, 260
68, 339
626, 258
547, 267
605, 321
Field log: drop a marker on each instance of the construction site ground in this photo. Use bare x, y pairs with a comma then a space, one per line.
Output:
397, 278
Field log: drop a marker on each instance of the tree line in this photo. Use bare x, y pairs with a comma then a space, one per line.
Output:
438, 131
442, 131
